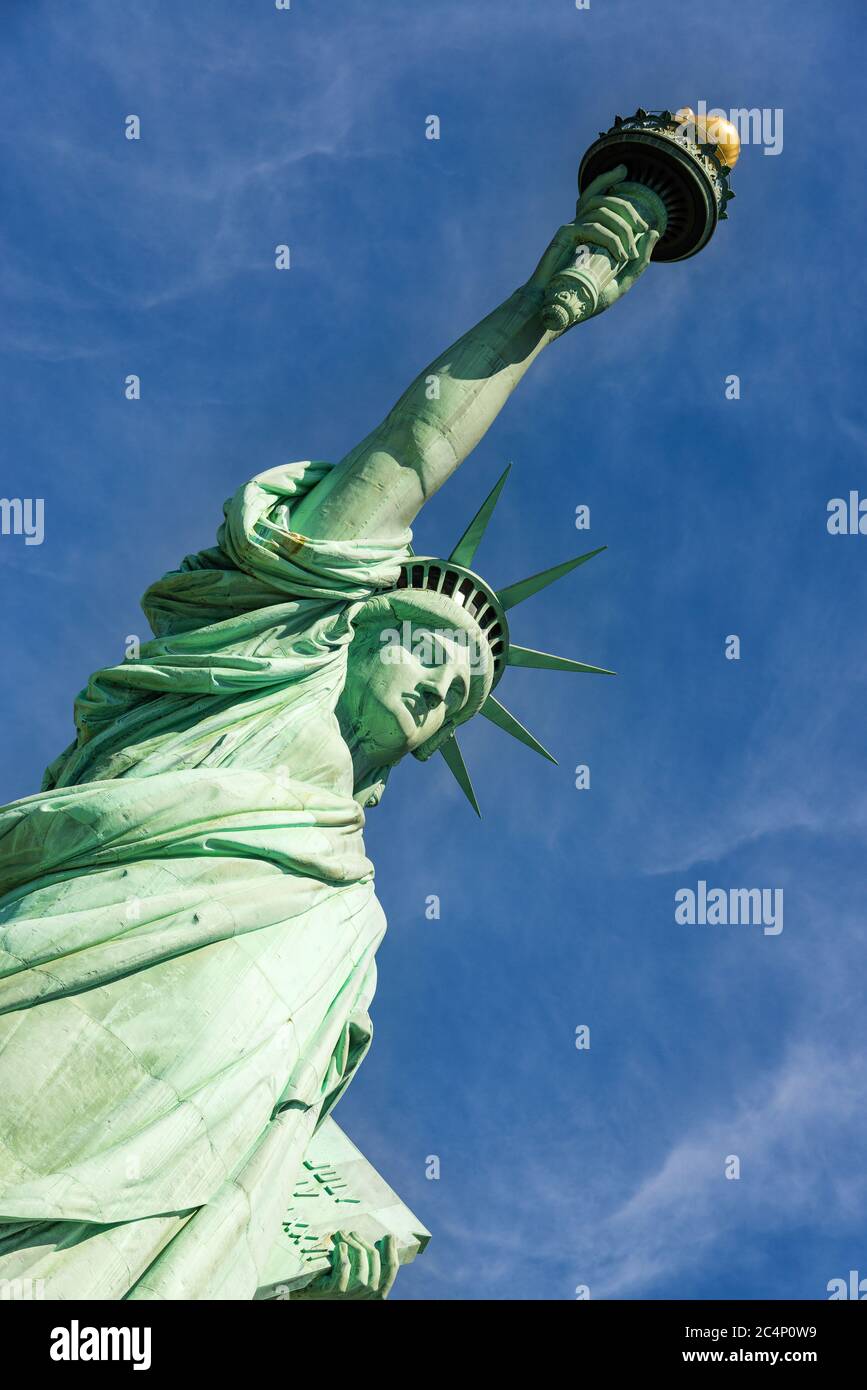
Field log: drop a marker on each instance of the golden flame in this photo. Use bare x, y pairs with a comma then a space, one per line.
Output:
714, 130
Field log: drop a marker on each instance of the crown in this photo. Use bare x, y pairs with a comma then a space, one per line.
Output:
454, 579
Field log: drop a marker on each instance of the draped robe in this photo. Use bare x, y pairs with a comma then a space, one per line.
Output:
188, 925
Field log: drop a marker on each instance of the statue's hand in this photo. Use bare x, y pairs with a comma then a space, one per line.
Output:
604, 219
359, 1270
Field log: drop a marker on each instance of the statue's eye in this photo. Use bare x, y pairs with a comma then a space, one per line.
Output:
426, 649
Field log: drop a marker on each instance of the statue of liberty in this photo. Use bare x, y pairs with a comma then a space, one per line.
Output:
188, 923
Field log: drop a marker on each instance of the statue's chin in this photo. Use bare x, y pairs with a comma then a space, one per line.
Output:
389, 731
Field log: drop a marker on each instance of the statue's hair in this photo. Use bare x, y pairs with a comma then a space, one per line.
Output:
434, 610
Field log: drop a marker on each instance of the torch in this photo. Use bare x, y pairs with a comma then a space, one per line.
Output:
677, 175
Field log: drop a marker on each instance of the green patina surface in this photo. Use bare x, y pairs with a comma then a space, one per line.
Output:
188, 923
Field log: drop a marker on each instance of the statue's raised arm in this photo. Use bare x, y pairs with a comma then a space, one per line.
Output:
380, 486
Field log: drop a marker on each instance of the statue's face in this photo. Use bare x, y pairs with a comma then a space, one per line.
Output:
408, 680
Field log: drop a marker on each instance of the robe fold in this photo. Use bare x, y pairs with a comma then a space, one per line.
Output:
188, 924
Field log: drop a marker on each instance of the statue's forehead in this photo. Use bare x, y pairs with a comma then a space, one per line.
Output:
431, 645
454, 645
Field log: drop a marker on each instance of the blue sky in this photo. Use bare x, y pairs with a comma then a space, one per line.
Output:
558, 1167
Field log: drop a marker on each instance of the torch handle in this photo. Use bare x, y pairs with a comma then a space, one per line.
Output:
574, 292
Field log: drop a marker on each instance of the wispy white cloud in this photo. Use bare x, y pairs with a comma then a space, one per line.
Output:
781, 1129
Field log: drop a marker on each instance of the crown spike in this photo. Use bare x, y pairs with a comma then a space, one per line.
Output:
465, 550
499, 715
458, 768
544, 661
516, 593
